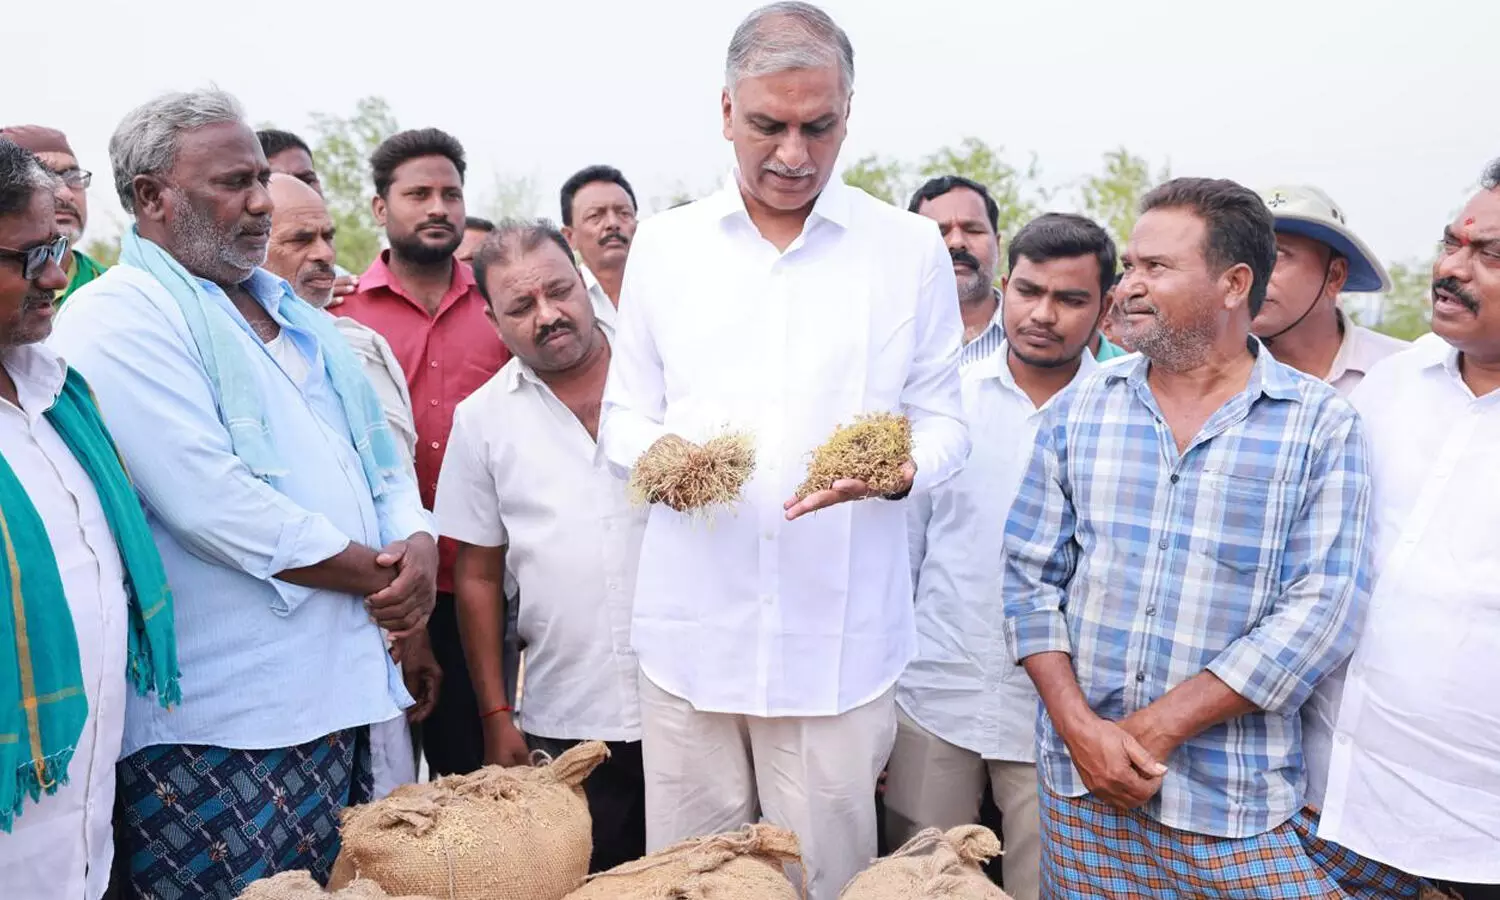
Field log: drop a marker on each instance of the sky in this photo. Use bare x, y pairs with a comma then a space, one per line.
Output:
1389, 105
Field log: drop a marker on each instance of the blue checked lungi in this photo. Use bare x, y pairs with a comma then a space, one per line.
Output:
1090, 849
202, 823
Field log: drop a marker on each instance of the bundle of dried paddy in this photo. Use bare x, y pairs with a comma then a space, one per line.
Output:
872, 450
686, 477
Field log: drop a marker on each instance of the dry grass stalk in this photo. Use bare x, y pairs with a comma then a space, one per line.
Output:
872, 450
689, 478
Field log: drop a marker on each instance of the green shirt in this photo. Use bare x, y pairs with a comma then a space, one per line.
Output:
84, 271
1108, 351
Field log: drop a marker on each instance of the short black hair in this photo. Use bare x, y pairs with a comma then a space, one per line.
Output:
1491, 177
21, 176
1063, 236
475, 223
274, 141
1241, 228
511, 239
589, 175
937, 187
404, 146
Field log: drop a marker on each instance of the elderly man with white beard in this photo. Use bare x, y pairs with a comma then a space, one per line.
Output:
289, 529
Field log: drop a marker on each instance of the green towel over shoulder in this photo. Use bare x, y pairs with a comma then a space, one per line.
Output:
42, 700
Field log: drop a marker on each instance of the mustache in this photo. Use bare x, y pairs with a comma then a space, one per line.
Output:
963, 256
615, 236
257, 227
777, 167
36, 299
1451, 286
436, 223
67, 206
318, 268
546, 332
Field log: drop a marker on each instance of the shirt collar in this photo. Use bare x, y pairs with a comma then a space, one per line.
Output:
1267, 377
379, 275
1351, 356
1434, 352
997, 366
834, 204
39, 373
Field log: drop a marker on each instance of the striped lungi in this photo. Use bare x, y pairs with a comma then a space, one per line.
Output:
201, 823
1091, 849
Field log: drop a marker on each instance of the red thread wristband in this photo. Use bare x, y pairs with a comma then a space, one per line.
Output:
496, 711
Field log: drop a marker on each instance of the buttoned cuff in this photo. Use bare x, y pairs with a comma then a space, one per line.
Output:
1039, 631
1254, 674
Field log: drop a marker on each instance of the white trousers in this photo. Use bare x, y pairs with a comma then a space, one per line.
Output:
931, 783
708, 773
391, 761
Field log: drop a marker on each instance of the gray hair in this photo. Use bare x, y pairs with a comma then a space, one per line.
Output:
788, 35
145, 143
1491, 177
21, 176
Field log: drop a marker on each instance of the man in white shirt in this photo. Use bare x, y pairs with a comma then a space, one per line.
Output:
520, 490
967, 711
599, 221
770, 640
66, 572
1413, 762
969, 220
1318, 257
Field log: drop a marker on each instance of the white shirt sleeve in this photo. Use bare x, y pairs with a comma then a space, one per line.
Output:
635, 400
467, 504
931, 397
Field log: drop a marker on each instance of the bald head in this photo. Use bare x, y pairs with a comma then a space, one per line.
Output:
301, 249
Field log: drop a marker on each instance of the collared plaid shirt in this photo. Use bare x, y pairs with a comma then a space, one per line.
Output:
1245, 556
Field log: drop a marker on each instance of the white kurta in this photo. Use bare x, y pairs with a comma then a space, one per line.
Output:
62, 846
752, 614
1413, 761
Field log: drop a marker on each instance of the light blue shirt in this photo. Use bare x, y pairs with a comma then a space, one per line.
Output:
265, 663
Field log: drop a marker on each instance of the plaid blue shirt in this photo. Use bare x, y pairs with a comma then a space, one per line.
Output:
1245, 556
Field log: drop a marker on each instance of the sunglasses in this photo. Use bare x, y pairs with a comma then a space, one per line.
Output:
34, 259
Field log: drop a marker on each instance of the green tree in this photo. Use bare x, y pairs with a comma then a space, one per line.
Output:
882, 178
1113, 197
1016, 190
104, 251
341, 150
509, 197
1406, 309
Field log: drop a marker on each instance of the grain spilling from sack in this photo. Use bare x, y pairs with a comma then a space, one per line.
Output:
522, 833
741, 865
300, 886
933, 865
871, 450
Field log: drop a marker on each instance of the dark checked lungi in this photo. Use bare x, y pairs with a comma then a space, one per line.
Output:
201, 823
1090, 849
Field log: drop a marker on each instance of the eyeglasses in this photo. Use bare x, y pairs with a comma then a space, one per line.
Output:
34, 259
75, 178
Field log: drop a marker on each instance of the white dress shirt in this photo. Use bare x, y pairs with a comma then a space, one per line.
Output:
962, 686
246, 640
604, 308
1414, 776
1359, 351
62, 846
749, 613
520, 472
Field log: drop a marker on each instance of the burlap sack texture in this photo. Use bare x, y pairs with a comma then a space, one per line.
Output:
522, 833
300, 886
933, 866
741, 865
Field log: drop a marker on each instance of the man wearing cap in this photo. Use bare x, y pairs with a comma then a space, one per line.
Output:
50, 146
1317, 258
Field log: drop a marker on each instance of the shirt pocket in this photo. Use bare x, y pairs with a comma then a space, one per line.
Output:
1242, 522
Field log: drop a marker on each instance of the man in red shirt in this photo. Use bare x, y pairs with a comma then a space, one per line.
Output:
426, 305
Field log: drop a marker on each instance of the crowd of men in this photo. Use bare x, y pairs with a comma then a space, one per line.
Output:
1191, 576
